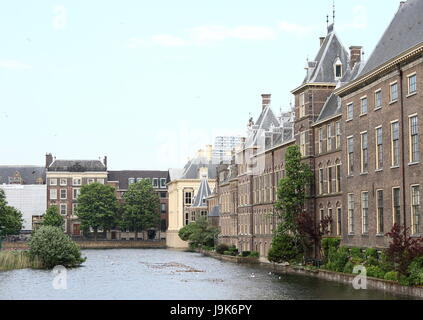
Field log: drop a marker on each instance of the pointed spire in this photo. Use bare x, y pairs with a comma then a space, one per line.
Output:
334, 12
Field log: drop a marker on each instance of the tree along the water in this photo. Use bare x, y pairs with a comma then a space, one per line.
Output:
53, 218
11, 221
97, 207
291, 204
199, 233
141, 208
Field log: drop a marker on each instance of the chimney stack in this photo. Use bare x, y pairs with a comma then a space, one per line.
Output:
355, 55
49, 159
266, 98
105, 161
322, 39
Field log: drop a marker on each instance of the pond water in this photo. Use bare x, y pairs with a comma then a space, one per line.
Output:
171, 275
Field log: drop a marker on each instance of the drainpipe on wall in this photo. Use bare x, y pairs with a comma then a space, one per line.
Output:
402, 147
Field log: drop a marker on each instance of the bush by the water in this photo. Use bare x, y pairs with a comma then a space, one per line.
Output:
245, 253
284, 248
254, 254
415, 271
53, 248
221, 248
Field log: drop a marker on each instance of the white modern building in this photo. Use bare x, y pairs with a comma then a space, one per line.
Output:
31, 200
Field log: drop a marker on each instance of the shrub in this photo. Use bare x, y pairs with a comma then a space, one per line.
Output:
234, 250
372, 253
371, 261
375, 272
207, 248
356, 253
254, 254
415, 271
337, 259
245, 253
284, 249
53, 248
391, 275
349, 267
328, 243
221, 248
229, 253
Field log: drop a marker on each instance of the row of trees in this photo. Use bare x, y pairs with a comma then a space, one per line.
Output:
98, 209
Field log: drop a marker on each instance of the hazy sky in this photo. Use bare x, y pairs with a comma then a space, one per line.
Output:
149, 82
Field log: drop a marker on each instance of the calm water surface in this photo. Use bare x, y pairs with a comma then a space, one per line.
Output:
168, 275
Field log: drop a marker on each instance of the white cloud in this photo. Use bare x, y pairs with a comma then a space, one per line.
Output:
295, 29
167, 40
205, 35
60, 17
359, 20
13, 64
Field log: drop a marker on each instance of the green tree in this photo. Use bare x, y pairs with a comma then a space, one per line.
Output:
11, 221
141, 207
199, 233
97, 207
53, 218
53, 247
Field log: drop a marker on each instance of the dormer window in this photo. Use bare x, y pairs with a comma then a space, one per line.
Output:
338, 69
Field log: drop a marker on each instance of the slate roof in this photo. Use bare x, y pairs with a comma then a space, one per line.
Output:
29, 174
203, 193
265, 122
404, 32
191, 169
77, 166
123, 176
321, 69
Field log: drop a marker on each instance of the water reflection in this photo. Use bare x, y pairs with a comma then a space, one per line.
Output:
167, 274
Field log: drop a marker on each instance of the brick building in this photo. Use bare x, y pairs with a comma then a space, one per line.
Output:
381, 112
64, 181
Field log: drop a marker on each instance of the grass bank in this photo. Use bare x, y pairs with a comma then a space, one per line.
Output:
12, 260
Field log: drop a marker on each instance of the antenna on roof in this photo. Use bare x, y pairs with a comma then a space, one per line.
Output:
327, 21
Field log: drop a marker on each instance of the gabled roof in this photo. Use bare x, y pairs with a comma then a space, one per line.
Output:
265, 121
203, 193
77, 166
404, 32
191, 169
29, 174
321, 70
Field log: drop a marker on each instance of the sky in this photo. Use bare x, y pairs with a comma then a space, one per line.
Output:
148, 83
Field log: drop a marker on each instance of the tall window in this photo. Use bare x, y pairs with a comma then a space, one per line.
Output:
321, 139
364, 106
163, 182
321, 181
394, 92
338, 135
53, 182
412, 84
76, 193
414, 139
396, 204
365, 211
350, 150
330, 180
350, 111
303, 143
339, 222
63, 209
155, 182
379, 213
378, 99
395, 149
63, 194
338, 178
330, 137
415, 209
302, 105
188, 197
351, 213
364, 153
379, 149
53, 194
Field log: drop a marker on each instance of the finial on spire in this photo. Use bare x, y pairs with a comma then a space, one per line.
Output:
327, 20
334, 11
